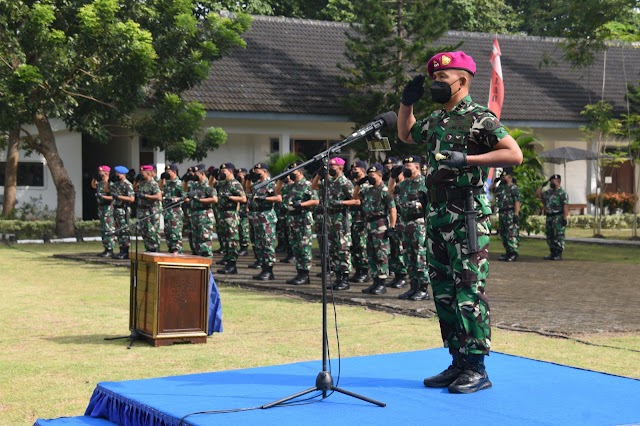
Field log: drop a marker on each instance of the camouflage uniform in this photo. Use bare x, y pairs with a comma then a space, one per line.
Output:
397, 261
554, 201
414, 234
202, 219
358, 240
457, 274
300, 223
229, 218
376, 201
339, 223
282, 226
105, 214
506, 198
264, 219
147, 213
173, 217
244, 233
187, 229
122, 212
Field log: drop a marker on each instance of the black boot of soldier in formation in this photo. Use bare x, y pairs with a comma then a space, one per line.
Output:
473, 378
376, 288
124, 254
341, 283
421, 292
399, 281
448, 376
229, 268
360, 276
554, 255
413, 288
266, 274
106, 253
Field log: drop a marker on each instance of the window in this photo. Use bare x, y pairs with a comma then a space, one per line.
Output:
29, 173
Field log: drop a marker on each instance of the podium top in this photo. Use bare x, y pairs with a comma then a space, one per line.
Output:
155, 257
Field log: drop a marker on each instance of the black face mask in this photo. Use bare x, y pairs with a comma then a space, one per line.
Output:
222, 176
553, 185
255, 177
407, 173
333, 172
165, 176
441, 92
114, 178
292, 176
371, 180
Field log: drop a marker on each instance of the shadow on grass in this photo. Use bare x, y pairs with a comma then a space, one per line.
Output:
97, 339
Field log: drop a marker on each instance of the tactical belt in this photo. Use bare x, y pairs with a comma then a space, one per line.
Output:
441, 195
412, 217
553, 214
376, 217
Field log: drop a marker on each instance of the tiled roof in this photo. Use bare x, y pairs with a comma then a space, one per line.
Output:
289, 66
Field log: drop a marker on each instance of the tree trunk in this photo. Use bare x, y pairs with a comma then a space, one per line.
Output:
66, 193
11, 172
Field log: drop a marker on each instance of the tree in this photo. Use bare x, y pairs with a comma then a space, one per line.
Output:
386, 47
92, 64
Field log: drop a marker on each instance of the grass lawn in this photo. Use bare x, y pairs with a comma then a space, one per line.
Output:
55, 314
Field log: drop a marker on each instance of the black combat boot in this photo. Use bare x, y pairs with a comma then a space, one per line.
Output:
266, 274
106, 253
557, 256
473, 378
421, 294
257, 276
243, 251
221, 262
255, 265
229, 268
551, 255
361, 276
414, 286
329, 273
342, 283
398, 281
288, 259
379, 287
449, 375
302, 278
503, 256
512, 257
124, 253
290, 281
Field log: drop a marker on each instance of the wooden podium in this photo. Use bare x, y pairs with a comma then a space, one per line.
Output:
172, 298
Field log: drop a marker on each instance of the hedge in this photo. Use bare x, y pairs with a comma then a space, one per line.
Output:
614, 221
45, 229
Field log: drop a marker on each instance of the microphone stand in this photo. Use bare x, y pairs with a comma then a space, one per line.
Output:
324, 381
135, 333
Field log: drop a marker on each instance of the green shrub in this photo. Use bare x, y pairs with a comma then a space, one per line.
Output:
614, 201
536, 223
44, 229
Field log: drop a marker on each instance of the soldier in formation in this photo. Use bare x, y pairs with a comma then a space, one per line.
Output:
105, 209
172, 195
507, 196
556, 209
230, 196
123, 197
148, 195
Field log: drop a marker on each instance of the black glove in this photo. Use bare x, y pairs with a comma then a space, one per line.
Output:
413, 91
386, 174
295, 205
516, 220
396, 171
455, 160
362, 181
545, 183
423, 198
323, 172
260, 196
336, 204
564, 222
192, 195
139, 195
391, 232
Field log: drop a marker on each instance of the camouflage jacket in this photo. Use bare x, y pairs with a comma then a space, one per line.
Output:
123, 188
376, 200
147, 187
554, 200
172, 191
227, 188
470, 128
339, 188
407, 197
103, 188
506, 196
258, 205
202, 190
302, 191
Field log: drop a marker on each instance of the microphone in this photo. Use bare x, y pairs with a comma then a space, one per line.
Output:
388, 119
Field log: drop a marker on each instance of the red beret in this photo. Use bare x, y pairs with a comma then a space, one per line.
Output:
336, 161
104, 168
146, 167
451, 61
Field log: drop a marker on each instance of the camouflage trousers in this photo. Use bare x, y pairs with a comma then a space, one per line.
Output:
509, 231
121, 217
264, 244
229, 235
340, 242
282, 231
458, 282
414, 242
359, 245
187, 230
378, 248
554, 230
244, 236
202, 232
173, 223
299, 228
149, 224
397, 263
105, 214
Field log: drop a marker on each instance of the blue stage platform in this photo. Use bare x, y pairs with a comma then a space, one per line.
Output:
525, 392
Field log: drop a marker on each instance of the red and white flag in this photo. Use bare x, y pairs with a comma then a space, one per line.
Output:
496, 88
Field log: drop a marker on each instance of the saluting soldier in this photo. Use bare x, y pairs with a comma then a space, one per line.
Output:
379, 211
202, 197
301, 201
556, 208
123, 197
397, 261
411, 210
105, 210
264, 219
339, 189
463, 140
230, 196
148, 195
172, 193
507, 196
358, 229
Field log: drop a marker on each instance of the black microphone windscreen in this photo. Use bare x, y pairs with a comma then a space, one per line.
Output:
389, 118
